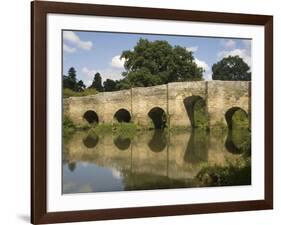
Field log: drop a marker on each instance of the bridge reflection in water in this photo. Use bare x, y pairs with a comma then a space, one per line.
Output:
151, 160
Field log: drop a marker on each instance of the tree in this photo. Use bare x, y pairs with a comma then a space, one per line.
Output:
109, 85
231, 68
157, 62
97, 82
70, 80
80, 86
123, 84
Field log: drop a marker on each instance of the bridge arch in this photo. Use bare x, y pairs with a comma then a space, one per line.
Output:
91, 117
122, 115
158, 117
231, 112
196, 103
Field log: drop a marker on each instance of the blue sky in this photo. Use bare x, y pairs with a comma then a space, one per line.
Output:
90, 52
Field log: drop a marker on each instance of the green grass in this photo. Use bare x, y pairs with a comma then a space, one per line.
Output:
70, 93
69, 128
125, 130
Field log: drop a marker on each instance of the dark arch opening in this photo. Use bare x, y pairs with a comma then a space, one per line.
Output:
122, 115
122, 143
195, 107
158, 117
91, 140
236, 116
158, 141
91, 117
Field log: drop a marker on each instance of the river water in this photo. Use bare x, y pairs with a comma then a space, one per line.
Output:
150, 160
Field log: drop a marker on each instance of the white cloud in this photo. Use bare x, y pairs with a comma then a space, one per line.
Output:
207, 73
116, 62
230, 44
115, 173
110, 73
202, 64
68, 49
242, 53
192, 48
72, 38
208, 76
86, 45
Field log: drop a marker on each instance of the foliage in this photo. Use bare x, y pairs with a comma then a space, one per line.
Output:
80, 86
70, 81
125, 130
200, 115
236, 173
231, 68
96, 84
240, 119
70, 93
68, 127
157, 62
109, 85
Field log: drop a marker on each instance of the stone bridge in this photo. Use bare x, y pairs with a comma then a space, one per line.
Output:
147, 106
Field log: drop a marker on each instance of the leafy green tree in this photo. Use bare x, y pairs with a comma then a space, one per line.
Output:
97, 82
70, 80
123, 84
80, 86
157, 62
109, 85
231, 68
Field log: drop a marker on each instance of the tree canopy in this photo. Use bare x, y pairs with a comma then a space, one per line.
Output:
109, 85
157, 62
231, 68
97, 82
70, 81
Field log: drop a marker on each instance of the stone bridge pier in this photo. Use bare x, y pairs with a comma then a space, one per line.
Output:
172, 102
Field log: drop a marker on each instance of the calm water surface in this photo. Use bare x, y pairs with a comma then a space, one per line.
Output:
151, 160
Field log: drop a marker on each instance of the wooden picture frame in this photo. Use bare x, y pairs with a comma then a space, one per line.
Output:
40, 9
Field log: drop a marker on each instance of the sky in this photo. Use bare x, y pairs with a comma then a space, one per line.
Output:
90, 52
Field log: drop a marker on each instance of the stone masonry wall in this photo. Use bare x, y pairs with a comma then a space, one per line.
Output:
220, 96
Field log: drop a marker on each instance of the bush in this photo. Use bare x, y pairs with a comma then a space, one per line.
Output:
236, 173
68, 127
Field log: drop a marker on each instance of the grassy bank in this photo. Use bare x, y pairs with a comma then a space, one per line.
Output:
126, 130
70, 93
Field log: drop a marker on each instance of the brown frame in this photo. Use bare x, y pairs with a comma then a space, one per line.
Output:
39, 11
